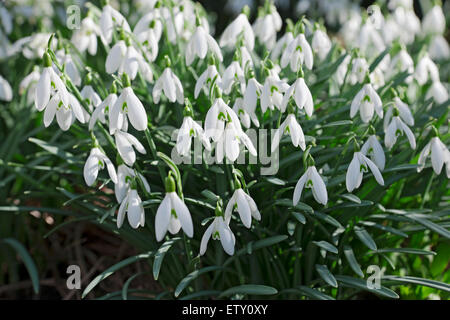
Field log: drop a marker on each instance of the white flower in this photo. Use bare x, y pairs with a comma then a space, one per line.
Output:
291, 127
369, 40
216, 117
172, 215
395, 128
131, 206
251, 94
188, 130
357, 167
311, 179
206, 78
86, 37
281, 45
403, 110
125, 143
126, 59
171, 85
124, 176
29, 84
366, 102
245, 206
199, 44
373, 149
151, 21
321, 44
232, 74
99, 113
65, 59
233, 30
6, 93
266, 27
425, 69
96, 161
439, 155
434, 21
244, 114
297, 52
439, 48
7, 20
438, 92
302, 96
401, 62
93, 99
48, 85
342, 70
64, 112
218, 230
228, 142
272, 92
34, 46
109, 19
360, 68
129, 107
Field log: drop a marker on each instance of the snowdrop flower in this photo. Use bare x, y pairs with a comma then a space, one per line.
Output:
6, 19
434, 21
85, 38
65, 59
377, 78
171, 85
438, 92
150, 22
125, 143
149, 41
403, 110
218, 230
92, 98
272, 93
396, 128
199, 44
360, 68
172, 214
321, 44
231, 33
6, 93
188, 130
356, 169
96, 161
132, 207
29, 84
109, 19
125, 177
251, 94
64, 112
107, 106
48, 85
267, 25
366, 102
124, 58
297, 52
311, 179
373, 149
245, 206
401, 62
342, 70
291, 127
369, 40
129, 107
233, 73
228, 142
439, 48
281, 45
425, 69
440, 155
205, 81
302, 96
35, 45
244, 113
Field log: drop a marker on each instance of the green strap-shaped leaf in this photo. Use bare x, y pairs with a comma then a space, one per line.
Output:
105, 274
27, 260
314, 293
362, 284
348, 251
255, 289
159, 256
365, 237
420, 281
193, 275
326, 275
326, 245
407, 250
